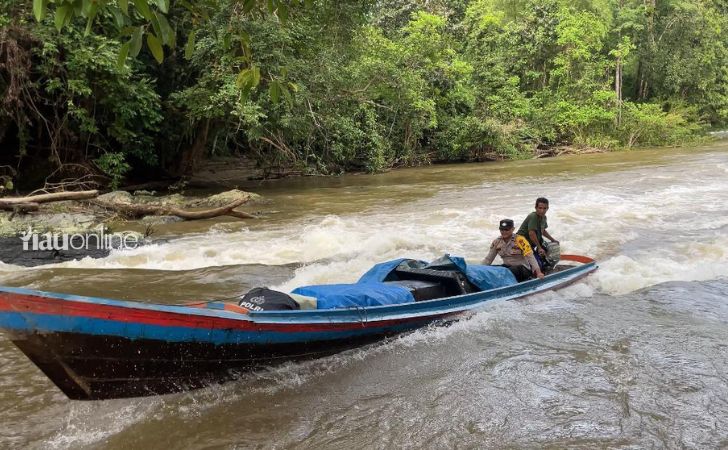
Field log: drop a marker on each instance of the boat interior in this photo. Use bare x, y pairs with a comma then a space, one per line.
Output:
423, 283
428, 284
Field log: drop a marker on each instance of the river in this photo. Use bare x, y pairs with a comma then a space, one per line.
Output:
634, 356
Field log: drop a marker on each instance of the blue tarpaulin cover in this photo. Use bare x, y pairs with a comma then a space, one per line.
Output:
370, 291
489, 277
484, 277
330, 296
380, 271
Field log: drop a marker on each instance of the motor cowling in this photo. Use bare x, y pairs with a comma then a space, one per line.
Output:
264, 299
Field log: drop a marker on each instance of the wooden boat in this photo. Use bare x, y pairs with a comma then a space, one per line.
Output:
95, 348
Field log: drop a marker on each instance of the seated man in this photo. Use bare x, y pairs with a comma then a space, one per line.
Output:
534, 228
516, 253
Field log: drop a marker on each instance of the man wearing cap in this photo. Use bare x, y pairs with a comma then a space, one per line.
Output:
516, 253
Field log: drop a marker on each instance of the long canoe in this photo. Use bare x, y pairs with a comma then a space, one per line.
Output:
97, 348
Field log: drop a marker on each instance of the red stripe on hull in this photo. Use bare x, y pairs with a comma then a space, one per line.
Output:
63, 307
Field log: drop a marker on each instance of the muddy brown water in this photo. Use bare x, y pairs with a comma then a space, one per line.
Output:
635, 356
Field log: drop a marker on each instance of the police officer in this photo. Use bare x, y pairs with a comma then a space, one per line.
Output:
515, 251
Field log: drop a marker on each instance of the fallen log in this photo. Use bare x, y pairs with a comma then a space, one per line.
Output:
19, 207
31, 203
45, 198
137, 211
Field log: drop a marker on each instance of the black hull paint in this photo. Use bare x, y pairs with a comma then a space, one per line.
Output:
80, 365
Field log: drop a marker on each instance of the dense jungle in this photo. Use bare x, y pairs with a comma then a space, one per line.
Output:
107, 92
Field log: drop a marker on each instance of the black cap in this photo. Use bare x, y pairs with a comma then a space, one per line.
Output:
505, 224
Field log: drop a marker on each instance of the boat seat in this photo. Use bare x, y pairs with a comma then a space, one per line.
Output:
454, 282
421, 290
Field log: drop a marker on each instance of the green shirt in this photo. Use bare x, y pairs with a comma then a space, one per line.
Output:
536, 223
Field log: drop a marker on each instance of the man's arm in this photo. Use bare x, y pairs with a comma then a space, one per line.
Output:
488, 260
534, 265
546, 233
534, 238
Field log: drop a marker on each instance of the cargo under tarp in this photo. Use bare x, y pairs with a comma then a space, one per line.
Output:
484, 277
372, 288
330, 296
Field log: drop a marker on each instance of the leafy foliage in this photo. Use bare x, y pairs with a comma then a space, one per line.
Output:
330, 86
114, 165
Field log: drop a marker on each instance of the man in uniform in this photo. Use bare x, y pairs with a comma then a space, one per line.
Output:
515, 251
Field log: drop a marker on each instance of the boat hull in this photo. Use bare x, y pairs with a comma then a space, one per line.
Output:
77, 365
95, 348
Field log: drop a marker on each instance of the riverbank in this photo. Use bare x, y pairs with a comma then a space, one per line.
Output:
71, 230
228, 172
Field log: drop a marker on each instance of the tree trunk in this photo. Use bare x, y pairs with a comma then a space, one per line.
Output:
192, 157
637, 79
136, 211
643, 88
618, 74
20, 207
618, 89
651, 8
45, 198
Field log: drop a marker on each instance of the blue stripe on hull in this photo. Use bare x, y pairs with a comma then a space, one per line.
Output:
40, 323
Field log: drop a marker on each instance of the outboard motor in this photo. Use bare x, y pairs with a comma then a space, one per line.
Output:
264, 299
553, 254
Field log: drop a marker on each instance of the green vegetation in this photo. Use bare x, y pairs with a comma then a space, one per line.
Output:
148, 88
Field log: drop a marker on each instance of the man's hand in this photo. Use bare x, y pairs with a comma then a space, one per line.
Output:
539, 274
541, 251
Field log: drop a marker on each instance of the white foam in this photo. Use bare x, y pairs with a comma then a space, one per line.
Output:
9, 267
622, 274
90, 423
644, 226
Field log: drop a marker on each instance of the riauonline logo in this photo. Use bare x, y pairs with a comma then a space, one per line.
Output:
96, 240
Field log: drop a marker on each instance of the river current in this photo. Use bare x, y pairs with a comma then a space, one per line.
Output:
634, 356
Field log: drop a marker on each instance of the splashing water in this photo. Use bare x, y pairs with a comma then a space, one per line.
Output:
634, 356
644, 225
